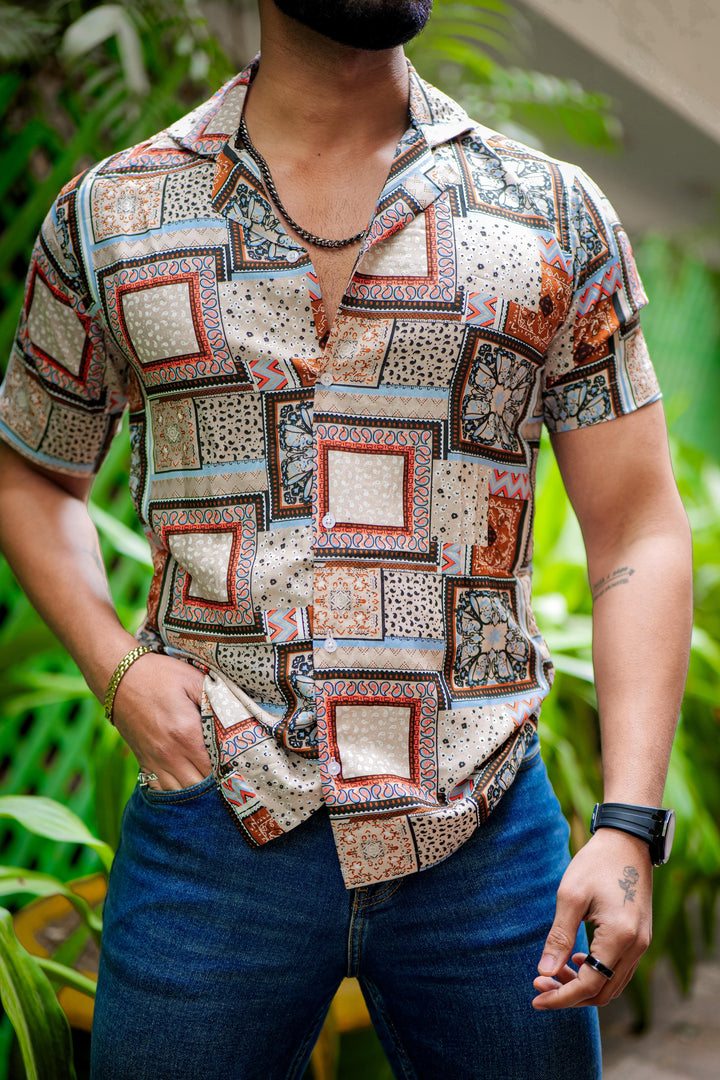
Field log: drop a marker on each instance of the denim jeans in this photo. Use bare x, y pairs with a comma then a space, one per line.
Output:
221, 961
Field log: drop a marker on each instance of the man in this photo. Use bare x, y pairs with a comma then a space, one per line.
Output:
338, 311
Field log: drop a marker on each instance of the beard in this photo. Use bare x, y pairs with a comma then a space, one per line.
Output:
361, 24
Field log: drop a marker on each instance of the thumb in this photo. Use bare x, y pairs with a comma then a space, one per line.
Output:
560, 942
193, 684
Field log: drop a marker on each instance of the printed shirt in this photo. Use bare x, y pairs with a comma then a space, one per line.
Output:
340, 521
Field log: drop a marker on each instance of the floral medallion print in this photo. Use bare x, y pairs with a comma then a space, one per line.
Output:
300, 733
584, 402
495, 398
490, 646
295, 438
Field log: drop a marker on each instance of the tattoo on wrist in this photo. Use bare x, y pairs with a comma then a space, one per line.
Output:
629, 883
621, 576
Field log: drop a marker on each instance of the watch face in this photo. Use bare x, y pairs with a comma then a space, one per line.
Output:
593, 819
669, 830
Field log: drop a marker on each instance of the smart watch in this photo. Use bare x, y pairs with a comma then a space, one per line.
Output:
653, 825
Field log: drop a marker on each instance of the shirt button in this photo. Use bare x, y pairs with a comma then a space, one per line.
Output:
330, 644
333, 767
326, 378
328, 521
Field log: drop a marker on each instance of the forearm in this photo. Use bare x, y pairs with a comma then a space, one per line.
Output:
642, 618
51, 544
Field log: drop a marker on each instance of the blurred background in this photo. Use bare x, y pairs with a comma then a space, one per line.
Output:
629, 90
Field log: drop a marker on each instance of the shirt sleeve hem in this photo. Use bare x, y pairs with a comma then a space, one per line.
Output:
44, 461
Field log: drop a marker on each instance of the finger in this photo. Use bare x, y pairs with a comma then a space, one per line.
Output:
560, 942
544, 982
582, 990
623, 972
175, 777
547, 982
585, 986
194, 687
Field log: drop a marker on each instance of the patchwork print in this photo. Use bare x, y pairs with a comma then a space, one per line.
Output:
339, 517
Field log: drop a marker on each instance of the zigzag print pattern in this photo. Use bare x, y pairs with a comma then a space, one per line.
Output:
268, 373
510, 485
313, 286
481, 309
522, 710
286, 625
237, 790
453, 559
606, 285
553, 254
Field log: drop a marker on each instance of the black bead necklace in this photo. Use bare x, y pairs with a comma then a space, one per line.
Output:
243, 137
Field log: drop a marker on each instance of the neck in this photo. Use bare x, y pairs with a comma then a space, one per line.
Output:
310, 91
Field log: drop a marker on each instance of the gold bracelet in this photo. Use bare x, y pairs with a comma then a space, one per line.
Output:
117, 675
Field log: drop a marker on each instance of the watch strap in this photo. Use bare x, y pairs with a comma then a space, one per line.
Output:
647, 823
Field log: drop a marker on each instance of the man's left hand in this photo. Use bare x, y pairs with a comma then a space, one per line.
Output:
608, 883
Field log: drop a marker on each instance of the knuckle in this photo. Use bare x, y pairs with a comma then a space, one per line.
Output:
644, 938
626, 936
570, 896
559, 938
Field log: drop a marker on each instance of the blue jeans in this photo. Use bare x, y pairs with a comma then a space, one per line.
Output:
221, 961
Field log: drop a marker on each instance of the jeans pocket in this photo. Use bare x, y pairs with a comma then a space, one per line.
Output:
178, 795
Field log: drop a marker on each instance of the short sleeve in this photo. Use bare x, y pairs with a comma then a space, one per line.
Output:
64, 390
597, 365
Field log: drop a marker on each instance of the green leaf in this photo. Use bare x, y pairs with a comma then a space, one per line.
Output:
27, 997
126, 541
95, 27
48, 818
572, 665
15, 880
67, 976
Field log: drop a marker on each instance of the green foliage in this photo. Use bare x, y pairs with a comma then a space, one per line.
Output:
53, 739
27, 984
61, 116
30, 1003
461, 51
682, 327
50, 819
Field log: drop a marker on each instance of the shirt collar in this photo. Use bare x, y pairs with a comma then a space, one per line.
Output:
207, 129
420, 172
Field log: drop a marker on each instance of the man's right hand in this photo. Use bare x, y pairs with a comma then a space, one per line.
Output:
157, 712
52, 546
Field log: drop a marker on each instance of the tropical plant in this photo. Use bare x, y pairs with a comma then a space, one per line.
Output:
75, 84
468, 49
27, 983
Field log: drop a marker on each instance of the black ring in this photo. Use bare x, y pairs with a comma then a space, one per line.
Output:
597, 965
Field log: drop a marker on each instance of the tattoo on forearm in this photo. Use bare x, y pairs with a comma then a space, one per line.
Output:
621, 576
629, 883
